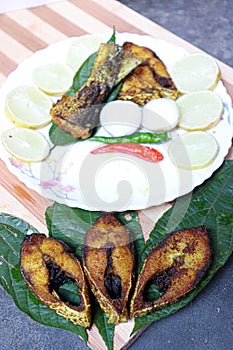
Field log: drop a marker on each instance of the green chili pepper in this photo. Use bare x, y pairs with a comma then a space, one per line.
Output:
137, 137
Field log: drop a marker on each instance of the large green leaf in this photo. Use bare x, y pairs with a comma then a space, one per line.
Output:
211, 205
131, 220
105, 329
82, 74
70, 225
59, 137
69, 292
85, 69
12, 232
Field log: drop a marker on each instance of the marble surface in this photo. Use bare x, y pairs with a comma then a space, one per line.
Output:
207, 322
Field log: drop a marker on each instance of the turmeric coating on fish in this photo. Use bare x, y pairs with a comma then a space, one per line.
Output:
176, 265
108, 261
47, 263
149, 80
79, 114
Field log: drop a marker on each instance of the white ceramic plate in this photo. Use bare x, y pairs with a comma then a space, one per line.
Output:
110, 182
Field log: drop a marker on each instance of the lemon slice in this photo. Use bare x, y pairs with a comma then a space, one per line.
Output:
81, 48
195, 72
53, 78
199, 110
25, 144
193, 150
28, 107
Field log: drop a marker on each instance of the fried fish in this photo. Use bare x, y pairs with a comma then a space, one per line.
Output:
108, 262
175, 265
147, 81
79, 114
47, 263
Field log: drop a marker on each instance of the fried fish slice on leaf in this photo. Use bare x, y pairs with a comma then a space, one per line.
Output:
46, 264
175, 265
109, 264
79, 114
147, 81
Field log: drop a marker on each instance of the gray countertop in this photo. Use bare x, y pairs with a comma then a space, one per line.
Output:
207, 322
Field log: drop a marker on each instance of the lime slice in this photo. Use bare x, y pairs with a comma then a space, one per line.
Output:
199, 110
195, 72
81, 48
28, 107
53, 78
193, 150
25, 144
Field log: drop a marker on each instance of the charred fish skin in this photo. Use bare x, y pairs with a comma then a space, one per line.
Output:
108, 262
176, 265
147, 81
45, 264
79, 114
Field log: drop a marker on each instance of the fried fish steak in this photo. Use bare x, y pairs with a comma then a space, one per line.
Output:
108, 262
79, 114
149, 80
176, 265
47, 263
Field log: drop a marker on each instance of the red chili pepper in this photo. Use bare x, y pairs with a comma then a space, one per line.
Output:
141, 151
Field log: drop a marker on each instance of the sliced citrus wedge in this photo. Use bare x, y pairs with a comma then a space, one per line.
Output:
28, 107
25, 144
54, 78
195, 72
193, 150
81, 48
199, 110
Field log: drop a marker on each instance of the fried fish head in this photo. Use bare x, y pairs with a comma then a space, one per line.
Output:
45, 264
176, 265
108, 262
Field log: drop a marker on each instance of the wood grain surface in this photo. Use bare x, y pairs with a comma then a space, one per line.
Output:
23, 32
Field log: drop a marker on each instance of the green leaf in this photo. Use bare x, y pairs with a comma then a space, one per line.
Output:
59, 137
211, 205
69, 292
112, 40
151, 292
114, 92
56, 134
69, 224
12, 232
130, 219
84, 71
105, 329
82, 74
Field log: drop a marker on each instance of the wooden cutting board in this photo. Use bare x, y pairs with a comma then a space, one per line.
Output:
25, 31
